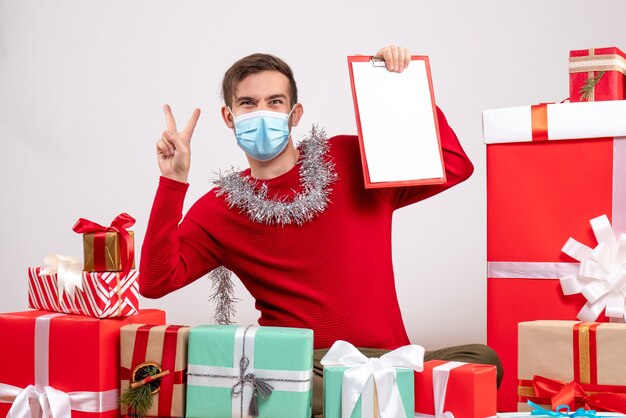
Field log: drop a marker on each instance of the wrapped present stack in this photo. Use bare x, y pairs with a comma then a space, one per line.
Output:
108, 285
551, 170
64, 356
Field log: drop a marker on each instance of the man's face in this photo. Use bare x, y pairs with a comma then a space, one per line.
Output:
267, 90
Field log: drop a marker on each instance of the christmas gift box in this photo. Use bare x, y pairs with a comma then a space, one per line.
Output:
59, 365
578, 364
153, 369
563, 413
359, 387
238, 372
597, 74
108, 248
462, 390
550, 169
68, 289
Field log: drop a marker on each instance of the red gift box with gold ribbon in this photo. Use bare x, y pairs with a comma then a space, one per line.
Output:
63, 365
597, 74
579, 364
550, 169
164, 349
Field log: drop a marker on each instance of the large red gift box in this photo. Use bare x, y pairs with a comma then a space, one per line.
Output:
466, 390
103, 294
58, 360
540, 192
604, 68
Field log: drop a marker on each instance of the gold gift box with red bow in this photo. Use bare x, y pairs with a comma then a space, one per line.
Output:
580, 364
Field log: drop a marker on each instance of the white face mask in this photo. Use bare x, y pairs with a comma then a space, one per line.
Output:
262, 134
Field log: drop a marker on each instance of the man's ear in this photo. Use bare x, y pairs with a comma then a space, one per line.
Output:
228, 117
296, 114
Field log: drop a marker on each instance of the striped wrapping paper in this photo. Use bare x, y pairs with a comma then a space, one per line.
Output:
103, 294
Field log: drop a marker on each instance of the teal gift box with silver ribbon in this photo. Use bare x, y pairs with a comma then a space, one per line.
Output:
249, 371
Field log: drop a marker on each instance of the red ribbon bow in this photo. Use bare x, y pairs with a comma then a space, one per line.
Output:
119, 225
573, 394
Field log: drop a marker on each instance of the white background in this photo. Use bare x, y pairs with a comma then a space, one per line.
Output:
82, 84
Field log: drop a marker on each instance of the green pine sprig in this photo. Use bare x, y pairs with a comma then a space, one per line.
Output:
139, 399
587, 89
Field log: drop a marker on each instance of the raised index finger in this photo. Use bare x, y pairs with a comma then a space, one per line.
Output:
169, 119
193, 120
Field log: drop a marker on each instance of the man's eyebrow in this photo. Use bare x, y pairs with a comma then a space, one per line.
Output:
245, 98
276, 96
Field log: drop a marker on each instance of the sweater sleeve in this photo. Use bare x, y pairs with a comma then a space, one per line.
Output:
173, 255
457, 165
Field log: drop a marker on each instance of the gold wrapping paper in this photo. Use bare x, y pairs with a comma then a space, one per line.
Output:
545, 348
112, 252
154, 354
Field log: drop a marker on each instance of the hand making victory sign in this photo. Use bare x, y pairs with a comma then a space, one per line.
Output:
173, 148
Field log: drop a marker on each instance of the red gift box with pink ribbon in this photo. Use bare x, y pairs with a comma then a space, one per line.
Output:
578, 364
62, 365
597, 74
551, 168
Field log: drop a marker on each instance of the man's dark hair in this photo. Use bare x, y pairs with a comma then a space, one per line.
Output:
253, 64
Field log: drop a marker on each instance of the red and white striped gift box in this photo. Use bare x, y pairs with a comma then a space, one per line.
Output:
103, 294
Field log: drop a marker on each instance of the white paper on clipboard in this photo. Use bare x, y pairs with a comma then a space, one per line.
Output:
397, 123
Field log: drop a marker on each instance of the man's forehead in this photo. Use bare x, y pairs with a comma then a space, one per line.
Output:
262, 85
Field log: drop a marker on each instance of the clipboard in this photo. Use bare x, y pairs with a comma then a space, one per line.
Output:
396, 120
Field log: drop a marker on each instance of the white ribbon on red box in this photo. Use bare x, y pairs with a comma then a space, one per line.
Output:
43, 401
565, 121
441, 374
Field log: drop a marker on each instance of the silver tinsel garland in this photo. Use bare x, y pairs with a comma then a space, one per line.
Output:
316, 174
223, 296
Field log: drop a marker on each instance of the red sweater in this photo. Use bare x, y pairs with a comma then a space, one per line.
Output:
333, 274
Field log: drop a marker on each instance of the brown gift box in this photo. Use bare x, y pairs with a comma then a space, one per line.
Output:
589, 353
164, 346
112, 254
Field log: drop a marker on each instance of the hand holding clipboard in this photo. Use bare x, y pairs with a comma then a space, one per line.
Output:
396, 121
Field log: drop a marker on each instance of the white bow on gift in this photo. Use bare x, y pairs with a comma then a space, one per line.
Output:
382, 370
601, 277
44, 402
69, 271
48, 402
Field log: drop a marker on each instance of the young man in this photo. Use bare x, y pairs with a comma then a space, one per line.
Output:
309, 242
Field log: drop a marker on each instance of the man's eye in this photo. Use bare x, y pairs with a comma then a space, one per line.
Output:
246, 103
276, 102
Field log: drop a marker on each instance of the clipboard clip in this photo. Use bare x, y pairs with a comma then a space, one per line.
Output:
377, 61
